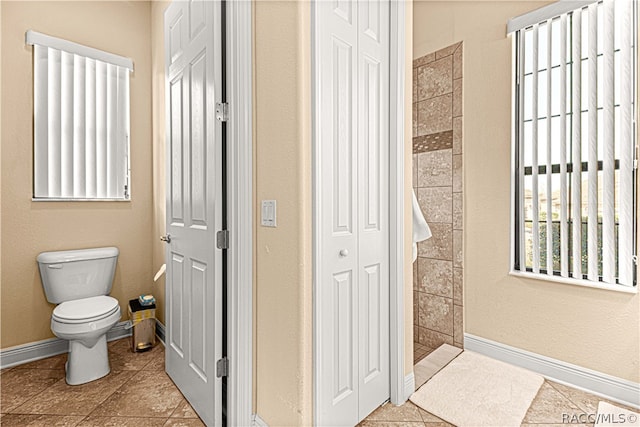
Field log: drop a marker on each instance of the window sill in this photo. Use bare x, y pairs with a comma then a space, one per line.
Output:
71, 199
575, 282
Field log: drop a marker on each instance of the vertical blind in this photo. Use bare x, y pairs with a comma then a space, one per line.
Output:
81, 121
575, 165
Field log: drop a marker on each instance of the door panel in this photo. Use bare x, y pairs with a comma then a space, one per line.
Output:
352, 207
194, 211
373, 232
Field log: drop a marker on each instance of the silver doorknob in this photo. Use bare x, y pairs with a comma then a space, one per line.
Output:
344, 252
166, 238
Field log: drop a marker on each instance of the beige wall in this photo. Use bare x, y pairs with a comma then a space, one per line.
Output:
592, 328
29, 228
158, 150
282, 171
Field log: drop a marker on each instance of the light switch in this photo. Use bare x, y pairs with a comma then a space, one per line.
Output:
269, 213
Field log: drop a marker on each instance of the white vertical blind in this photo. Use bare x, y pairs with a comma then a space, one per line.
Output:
576, 144
608, 178
626, 205
584, 57
548, 174
521, 207
564, 227
592, 206
534, 152
81, 121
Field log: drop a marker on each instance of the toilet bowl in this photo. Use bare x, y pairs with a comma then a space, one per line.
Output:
85, 323
79, 281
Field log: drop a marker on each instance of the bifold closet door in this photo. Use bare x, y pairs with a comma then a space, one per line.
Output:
352, 213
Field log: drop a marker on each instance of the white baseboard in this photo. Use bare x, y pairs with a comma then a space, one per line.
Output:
160, 331
258, 422
598, 383
409, 385
37, 350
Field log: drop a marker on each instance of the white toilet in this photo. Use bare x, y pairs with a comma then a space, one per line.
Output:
80, 281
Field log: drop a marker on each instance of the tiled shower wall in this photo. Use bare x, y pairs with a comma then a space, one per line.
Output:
437, 182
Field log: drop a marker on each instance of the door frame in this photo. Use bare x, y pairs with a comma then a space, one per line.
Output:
239, 52
399, 390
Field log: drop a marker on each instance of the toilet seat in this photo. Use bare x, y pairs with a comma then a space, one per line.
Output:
85, 310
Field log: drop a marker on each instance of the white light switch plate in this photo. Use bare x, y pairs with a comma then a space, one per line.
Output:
269, 213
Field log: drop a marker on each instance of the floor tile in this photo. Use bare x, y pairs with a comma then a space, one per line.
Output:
97, 421
55, 362
122, 358
369, 423
19, 385
156, 363
184, 410
24, 420
64, 399
391, 412
431, 420
549, 407
184, 422
145, 395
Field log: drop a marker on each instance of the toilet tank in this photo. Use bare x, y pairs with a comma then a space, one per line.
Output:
83, 273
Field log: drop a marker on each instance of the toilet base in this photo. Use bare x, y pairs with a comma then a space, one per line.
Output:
86, 364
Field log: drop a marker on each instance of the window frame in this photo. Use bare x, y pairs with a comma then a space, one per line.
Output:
517, 161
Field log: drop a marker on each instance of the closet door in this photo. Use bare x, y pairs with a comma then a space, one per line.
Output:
373, 205
351, 212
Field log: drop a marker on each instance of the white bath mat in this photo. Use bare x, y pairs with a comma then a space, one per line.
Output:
434, 362
611, 416
475, 390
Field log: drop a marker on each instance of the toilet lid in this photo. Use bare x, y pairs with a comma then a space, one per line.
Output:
86, 308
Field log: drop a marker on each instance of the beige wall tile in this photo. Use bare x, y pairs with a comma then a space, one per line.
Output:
430, 57
415, 171
457, 63
433, 339
415, 119
458, 330
435, 168
440, 245
457, 211
438, 313
415, 85
457, 97
436, 277
457, 286
447, 50
457, 248
457, 135
435, 115
416, 282
457, 174
435, 78
436, 203
416, 305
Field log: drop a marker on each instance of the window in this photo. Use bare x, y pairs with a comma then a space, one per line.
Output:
81, 121
574, 157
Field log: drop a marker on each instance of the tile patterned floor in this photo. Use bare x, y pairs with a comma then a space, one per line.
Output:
137, 392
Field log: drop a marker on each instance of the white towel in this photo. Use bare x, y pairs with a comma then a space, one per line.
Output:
421, 230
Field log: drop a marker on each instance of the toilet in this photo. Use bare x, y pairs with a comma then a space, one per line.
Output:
79, 281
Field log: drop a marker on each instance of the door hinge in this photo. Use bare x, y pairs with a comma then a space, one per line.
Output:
222, 367
222, 111
222, 239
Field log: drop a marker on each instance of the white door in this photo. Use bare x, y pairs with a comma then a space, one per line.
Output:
194, 211
352, 209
